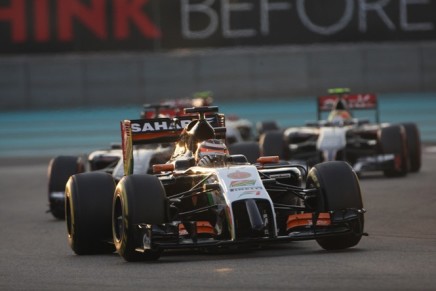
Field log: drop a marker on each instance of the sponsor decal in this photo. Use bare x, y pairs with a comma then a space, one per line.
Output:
158, 125
280, 175
251, 192
239, 175
58, 20
242, 183
354, 101
255, 188
32, 26
164, 124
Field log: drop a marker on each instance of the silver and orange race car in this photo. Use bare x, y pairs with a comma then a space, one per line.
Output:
186, 204
392, 148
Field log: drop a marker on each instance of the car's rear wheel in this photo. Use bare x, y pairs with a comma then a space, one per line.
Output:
265, 126
392, 140
138, 199
250, 149
339, 190
88, 208
59, 171
272, 143
413, 140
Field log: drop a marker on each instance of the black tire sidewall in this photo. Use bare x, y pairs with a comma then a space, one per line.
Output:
339, 190
272, 143
89, 212
338, 184
142, 199
413, 146
250, 149
392, 140
59, 171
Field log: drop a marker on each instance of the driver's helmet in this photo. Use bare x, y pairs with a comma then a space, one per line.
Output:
204, 98
339, 116
211, 147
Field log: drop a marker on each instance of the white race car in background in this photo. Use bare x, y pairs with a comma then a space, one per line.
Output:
110, 161
394, 148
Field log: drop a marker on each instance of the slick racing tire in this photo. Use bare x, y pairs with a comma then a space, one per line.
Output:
413, 141
138, 199
250, 149
88, 208
272, 143
59, 171
392, 140
265, 126
339, 191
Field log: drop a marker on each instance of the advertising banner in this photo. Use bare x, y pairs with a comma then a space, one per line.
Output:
54, 26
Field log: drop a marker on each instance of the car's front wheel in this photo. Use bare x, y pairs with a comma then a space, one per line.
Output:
339, 191
139, 202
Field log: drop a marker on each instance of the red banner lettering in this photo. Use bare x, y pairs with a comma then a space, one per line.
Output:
15, 14
42, 20
131, 10
93, 18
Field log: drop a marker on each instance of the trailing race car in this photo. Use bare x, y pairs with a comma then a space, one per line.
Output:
394, 149
109, 161
175, 107
238, 129
205, 198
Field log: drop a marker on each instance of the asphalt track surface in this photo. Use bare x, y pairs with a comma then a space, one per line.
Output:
398, 254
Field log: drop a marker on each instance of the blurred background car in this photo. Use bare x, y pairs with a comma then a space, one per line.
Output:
394, 148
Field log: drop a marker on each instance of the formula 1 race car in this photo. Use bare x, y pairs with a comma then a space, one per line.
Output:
204, 198
110, 160
107, 160
237, 129
394, 149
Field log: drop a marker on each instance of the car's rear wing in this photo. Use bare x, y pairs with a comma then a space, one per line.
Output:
366, 101
160, 130
169, 109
